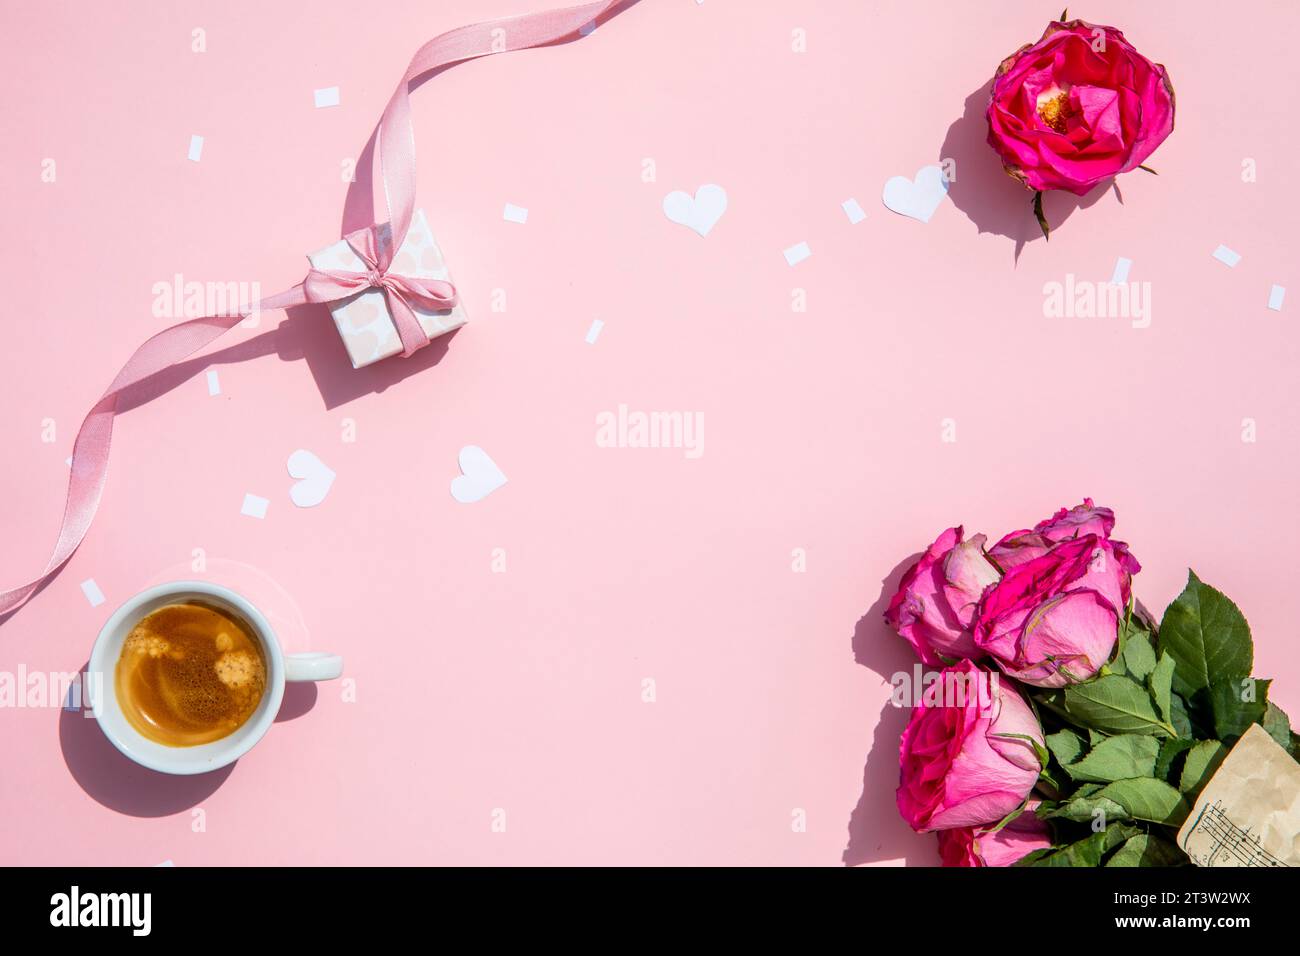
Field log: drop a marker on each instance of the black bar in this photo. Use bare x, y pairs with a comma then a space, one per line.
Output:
880, 904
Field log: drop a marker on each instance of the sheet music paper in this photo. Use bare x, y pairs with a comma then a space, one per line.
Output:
1249, 812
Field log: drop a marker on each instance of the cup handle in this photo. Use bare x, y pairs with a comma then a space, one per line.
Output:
313, 665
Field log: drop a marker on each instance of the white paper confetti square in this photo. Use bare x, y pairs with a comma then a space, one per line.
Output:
196, 148
254, 506
92, 592
594, 331
797, 253
214, 383
1227, 256
329, 96
1120, 275
515, 213
853, 209
1275, 297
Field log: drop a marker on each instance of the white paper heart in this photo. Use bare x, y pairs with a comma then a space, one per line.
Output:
316, 479
479, 476
916, 198
701, 212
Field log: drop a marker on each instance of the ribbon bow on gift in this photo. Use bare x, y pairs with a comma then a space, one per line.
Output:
401, 292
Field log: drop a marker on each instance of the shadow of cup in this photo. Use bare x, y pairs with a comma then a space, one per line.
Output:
113, 780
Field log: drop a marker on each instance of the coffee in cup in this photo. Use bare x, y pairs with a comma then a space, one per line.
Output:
190, 673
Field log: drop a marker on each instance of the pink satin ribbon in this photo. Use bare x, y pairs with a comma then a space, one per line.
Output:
397, 172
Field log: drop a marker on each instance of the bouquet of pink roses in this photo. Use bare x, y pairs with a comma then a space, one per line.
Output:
1081, 730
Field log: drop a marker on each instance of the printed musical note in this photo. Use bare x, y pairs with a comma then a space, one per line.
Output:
1230, 844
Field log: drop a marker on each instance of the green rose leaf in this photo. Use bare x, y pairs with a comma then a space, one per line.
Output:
1117, 758
1139, 655
1236, 704
1202, 761
1147, 799
1278, 725
1133, 627
1031, 858
1207, 636
1084, 805
1066, 746
1160, 683
1147, 849
1180, 718
1090, 850
1169, 751
1115, 705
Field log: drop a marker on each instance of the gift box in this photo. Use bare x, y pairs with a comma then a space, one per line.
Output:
363, 320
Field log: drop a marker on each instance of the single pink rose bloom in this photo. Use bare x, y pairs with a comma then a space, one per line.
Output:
1078, 107
1088, 518
1054, 620
981, 846
938, 595
968, 759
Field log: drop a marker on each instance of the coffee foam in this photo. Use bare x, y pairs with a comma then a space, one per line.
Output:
190, 674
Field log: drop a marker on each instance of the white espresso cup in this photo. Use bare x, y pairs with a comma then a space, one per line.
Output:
101, 687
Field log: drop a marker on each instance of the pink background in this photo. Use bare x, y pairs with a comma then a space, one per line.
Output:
523, 690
